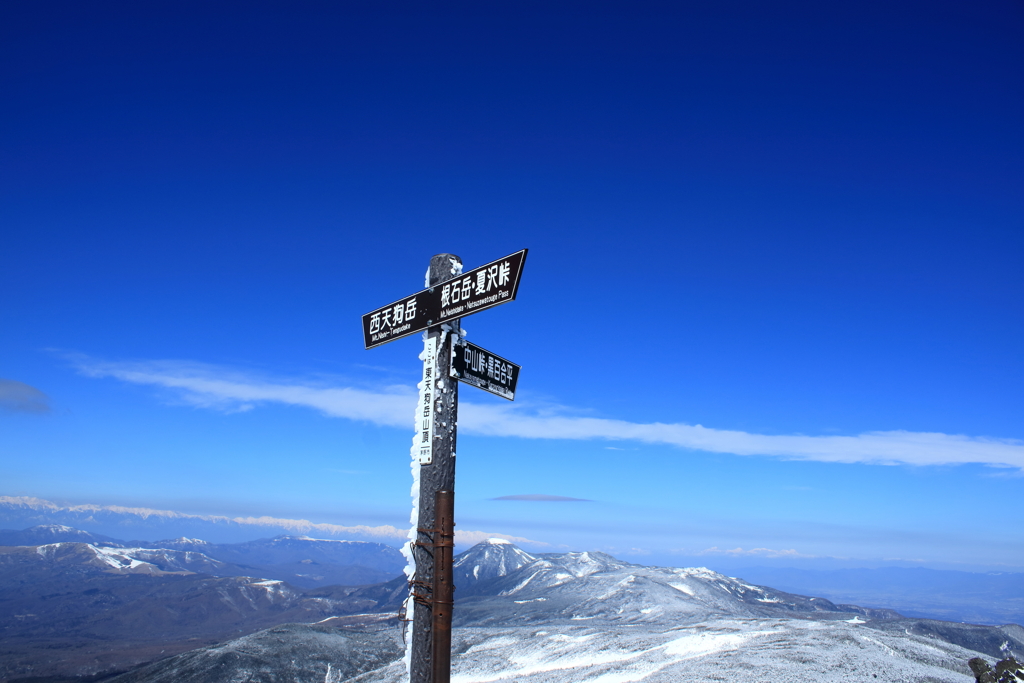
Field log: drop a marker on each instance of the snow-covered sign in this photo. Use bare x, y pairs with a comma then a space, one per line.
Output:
481, 368
477, 290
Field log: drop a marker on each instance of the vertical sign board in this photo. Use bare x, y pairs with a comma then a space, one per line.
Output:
481, 368
477, 290
426, 405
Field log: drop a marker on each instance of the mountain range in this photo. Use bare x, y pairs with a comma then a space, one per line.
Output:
92, 606
299, 560
81, 607
977, 593
586, 616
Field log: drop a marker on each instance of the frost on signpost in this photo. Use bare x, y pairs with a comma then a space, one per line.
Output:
433, 467
437, 311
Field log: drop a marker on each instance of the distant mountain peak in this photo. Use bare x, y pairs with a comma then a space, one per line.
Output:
310, 539
489, 559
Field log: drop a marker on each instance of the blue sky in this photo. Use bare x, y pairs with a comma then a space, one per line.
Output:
773, 298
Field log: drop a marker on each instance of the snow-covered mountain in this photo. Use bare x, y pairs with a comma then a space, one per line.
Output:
586, 585
590, 617
119, 560
50, 533
491, 559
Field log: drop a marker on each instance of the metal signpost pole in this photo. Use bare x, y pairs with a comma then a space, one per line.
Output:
438, 475
443, 590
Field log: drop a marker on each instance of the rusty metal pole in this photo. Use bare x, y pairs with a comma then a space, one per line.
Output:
439, 475
443, 590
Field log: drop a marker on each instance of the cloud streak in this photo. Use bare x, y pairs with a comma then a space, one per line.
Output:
18, 397
214, 387
89, 513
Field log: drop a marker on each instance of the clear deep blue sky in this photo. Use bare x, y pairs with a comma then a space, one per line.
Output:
797, 220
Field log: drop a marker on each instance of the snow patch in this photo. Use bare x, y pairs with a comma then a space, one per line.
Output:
119, 558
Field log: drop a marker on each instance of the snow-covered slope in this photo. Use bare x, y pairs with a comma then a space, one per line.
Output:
747, 650
293, 652
590, 617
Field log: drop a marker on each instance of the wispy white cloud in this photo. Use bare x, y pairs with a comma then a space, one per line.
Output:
386, 532
890, 447
209, 386
214, 387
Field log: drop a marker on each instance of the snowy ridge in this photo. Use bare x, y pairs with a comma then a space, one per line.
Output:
501, 584
130, 560
181, 542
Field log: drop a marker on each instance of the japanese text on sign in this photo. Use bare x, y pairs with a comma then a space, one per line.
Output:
481, 368
391, 319
477, 290
425, 412
486, 279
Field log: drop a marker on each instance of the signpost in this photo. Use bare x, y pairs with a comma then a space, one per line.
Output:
481, 368
450, 296
455, 297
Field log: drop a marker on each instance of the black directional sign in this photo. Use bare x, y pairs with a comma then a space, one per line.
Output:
481, 368
471, 292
